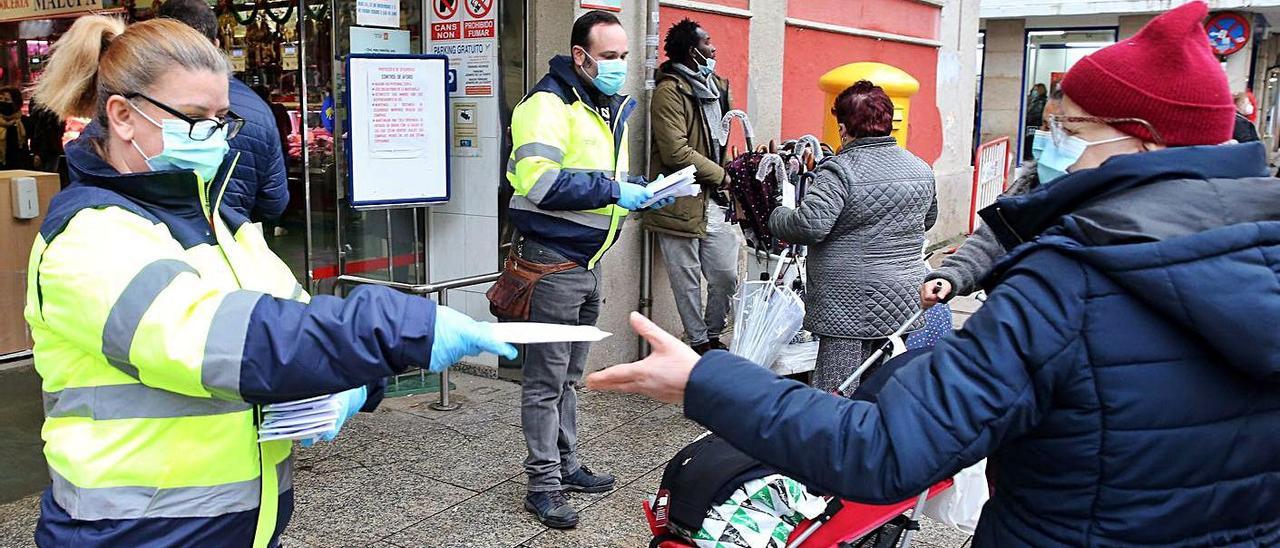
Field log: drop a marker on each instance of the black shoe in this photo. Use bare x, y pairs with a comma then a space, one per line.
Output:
552, 509
713, 344
583, 481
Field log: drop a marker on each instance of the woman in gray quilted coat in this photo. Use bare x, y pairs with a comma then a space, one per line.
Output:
864, 220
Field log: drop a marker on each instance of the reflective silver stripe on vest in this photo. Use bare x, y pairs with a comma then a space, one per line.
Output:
126, 314
224, 347
284, 475
130, 502
539, 150
511, 166
539, 190
132, 401
95, 503
593, 220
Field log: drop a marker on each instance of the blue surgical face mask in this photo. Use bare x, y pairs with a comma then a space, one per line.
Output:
183, 152
611, 74
708, 65
1054, 160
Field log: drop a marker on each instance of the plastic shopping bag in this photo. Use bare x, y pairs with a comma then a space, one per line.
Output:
961, 505
797, 357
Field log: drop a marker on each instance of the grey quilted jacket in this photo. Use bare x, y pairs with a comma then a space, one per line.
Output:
864, 219
966, 268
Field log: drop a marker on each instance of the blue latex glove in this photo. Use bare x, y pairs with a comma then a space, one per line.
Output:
458, 336
631, 195
349, 403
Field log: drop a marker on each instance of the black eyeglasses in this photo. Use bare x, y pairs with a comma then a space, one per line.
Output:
201, 128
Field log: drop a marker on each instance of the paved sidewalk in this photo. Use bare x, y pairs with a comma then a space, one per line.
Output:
407, 476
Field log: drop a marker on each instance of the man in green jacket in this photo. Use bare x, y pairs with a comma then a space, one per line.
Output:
694, 235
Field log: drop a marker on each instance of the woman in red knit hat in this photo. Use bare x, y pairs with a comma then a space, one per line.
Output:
1123, 377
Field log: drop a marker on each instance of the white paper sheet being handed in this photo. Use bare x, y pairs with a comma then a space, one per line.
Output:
538, 333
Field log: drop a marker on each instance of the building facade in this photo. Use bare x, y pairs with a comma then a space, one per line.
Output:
773, 52
1030, 42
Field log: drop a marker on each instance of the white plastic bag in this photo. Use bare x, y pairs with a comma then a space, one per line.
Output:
961, 505
796, 358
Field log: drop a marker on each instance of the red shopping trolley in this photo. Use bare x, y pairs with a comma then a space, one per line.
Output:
844, 523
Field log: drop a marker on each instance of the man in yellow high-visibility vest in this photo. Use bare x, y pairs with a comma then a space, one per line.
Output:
569, 171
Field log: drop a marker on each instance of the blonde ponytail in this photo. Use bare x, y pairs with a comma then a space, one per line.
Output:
68, 86
99, 56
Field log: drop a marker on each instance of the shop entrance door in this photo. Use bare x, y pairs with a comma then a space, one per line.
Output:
410, 245
385, 244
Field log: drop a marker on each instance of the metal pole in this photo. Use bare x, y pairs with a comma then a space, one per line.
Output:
391, 262
444, 404
650, 68
304, 50
419, 278
915, 518
646, 284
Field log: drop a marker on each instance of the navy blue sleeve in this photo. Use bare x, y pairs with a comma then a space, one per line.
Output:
273, 190
580, 191
987, 384
294, 350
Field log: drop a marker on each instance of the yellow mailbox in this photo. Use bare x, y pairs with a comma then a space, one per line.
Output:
899, 85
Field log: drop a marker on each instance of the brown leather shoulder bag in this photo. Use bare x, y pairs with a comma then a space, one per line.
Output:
510, 295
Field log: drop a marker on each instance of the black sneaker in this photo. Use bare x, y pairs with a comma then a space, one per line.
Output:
552, 509
713, 344
583, 481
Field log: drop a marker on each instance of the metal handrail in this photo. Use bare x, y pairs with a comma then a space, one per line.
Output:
441, 289
423, 289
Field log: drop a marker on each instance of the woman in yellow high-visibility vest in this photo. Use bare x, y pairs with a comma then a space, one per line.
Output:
162, 322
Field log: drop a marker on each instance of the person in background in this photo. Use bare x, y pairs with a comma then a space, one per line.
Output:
45, 132
1245, 131
961, 272
260, 186
694, 234
1036, 101
568, 171
1051, 107
16, 150
1123, 378
162, 322
278, 112
864, 220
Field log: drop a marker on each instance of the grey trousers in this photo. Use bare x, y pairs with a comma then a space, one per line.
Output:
549, 397
689, 260
838, 358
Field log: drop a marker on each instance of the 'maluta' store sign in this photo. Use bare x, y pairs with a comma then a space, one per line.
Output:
14, 10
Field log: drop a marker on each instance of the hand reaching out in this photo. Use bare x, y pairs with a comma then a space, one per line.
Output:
661, 376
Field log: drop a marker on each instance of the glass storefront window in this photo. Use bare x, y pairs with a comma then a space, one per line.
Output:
1049, 54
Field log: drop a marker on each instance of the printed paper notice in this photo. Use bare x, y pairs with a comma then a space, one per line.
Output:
397, 104
378, 13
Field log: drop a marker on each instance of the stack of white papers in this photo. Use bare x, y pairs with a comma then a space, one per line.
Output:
297, 420
676, 185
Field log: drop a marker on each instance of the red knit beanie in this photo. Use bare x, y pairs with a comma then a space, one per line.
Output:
1165, 74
